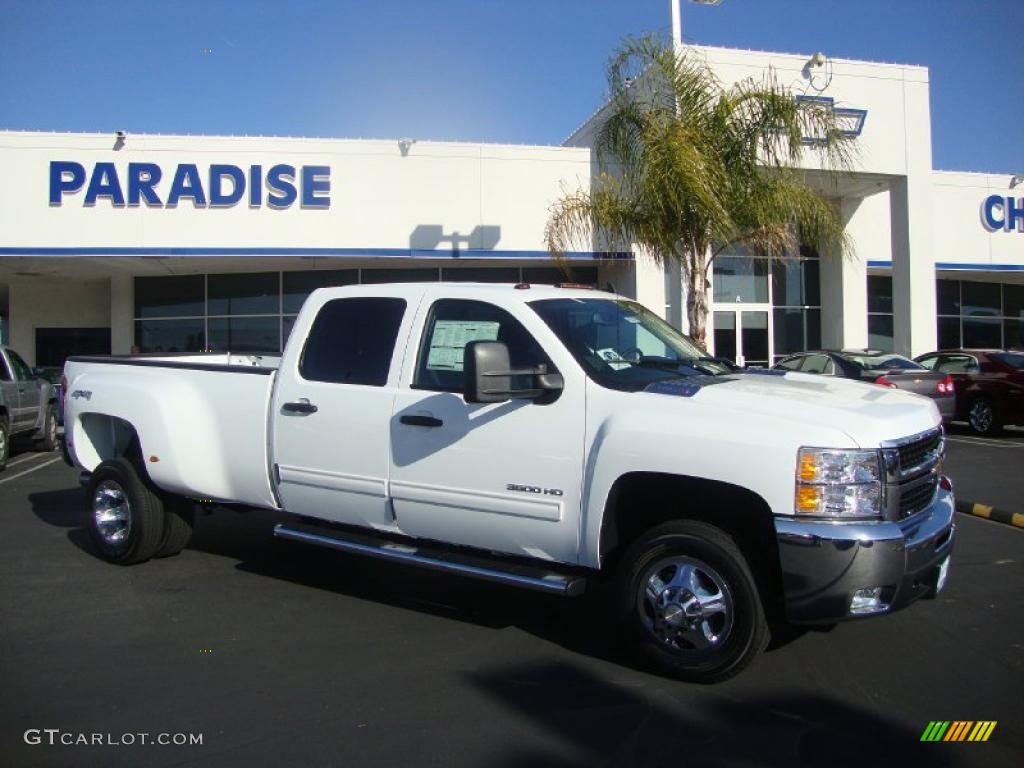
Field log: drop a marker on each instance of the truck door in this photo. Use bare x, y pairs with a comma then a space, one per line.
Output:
28, 393
9, 389
332, 404
500, 476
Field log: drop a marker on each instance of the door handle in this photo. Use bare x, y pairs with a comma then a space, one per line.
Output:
421, 421
303, 406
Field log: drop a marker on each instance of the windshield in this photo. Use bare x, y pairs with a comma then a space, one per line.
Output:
623, 345
1015, 360
885, 362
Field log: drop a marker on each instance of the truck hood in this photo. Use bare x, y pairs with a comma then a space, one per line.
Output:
866, 413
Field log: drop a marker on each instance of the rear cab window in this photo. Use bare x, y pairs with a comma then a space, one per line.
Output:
352, 341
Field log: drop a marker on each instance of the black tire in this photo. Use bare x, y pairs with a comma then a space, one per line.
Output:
672, 638
5, 443
983, 417
48, 442
180, 516
116, 491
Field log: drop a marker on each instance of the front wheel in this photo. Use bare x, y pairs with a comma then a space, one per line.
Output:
689, 602
982, 417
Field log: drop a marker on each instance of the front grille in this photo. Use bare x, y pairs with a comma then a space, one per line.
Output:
914, 500
918, 452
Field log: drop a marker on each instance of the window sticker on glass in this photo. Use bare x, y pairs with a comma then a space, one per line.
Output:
450, 338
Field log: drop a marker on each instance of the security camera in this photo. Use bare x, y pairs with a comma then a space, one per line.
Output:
817, 60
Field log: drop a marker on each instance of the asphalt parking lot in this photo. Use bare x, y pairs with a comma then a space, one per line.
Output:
282, 655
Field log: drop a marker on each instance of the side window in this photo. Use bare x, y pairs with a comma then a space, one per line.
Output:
929, 362
21, 371
5, 375
352, 341
791, 364
452, 324
957, 364
816, 364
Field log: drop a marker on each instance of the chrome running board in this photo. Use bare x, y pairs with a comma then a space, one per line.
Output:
436, 558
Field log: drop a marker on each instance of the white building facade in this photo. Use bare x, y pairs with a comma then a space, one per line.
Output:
111, 243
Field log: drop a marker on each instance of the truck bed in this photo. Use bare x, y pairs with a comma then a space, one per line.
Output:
202, 420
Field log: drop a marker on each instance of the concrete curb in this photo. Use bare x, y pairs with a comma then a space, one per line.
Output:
989, 513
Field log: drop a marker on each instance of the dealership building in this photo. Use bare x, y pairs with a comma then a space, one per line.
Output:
114, 242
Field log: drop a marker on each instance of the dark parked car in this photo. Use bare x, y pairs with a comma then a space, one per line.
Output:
884, 368
989, 385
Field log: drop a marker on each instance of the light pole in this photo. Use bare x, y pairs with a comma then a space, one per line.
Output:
677, 22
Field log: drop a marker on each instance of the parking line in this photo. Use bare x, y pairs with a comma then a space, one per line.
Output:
27, 457
27, 471
984, 441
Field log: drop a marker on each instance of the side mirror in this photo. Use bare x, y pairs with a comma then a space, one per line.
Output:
487, 375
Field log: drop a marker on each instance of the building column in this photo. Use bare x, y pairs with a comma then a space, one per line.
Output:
650, 283
122, 314
913, 267
844, 282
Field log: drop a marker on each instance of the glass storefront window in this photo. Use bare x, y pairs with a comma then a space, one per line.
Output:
406, 275
173, 296
245, 335
1013, 301
982, 333
296, 286
552, 275
880, 332
989, 316
480, 274
1013, 334
949, 333
256, 293
176, 336
879, 294
980, 299
948, 297
740, 279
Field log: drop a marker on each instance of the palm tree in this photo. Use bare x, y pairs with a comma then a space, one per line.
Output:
689, 168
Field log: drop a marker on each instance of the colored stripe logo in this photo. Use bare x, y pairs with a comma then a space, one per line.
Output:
958, 730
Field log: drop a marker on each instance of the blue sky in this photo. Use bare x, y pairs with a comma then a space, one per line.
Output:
518, 71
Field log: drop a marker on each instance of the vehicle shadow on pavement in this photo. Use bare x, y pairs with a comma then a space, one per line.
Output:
596, 722
579, 625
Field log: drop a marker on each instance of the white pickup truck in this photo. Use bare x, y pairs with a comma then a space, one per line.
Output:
538, 436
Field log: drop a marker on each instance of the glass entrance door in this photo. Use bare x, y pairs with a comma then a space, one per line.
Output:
742, 336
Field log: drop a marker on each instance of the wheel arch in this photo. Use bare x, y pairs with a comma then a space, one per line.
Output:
639, 501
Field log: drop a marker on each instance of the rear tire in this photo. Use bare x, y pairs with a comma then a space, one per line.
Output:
689, 602
48, 442
983, 417
180, 514
126, 518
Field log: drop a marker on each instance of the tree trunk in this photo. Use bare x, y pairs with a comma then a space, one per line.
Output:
697, 298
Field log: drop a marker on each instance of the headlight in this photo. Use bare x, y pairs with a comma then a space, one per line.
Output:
839, 483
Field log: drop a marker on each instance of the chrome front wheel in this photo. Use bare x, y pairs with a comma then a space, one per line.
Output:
688, 601
685, 604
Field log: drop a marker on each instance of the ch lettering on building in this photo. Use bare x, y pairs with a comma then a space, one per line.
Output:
1003, 213
222, 186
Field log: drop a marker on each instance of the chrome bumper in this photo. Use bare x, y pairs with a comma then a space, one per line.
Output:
824, 564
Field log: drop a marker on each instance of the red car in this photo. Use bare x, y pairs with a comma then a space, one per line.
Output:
989, 385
